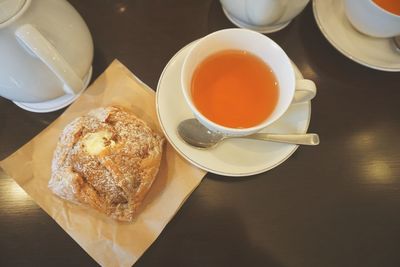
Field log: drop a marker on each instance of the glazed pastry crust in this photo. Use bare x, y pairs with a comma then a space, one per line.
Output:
108, 160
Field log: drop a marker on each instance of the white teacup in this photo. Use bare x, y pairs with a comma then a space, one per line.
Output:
371, 19
262, 15
290, 89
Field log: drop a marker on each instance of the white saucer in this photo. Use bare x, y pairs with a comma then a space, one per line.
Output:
55, 104
233, 157
376, 53
260, 29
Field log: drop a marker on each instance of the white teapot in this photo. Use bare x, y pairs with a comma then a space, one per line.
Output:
46, 53
264, 16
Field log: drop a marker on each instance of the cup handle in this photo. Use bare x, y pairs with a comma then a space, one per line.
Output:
305, 91
32, 40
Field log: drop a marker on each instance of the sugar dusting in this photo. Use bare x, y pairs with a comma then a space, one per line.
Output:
116, 180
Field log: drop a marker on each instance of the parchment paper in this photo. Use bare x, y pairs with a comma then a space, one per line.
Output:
109, 242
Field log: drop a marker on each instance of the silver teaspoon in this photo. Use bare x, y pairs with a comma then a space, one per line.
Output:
197, 135
396, 41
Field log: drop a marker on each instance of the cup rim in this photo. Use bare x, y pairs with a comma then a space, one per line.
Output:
221, 128
384, 10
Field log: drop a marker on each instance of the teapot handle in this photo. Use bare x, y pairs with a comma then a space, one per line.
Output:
39, 46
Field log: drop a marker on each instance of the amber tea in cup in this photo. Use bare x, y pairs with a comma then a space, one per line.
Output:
234, 88
392, 6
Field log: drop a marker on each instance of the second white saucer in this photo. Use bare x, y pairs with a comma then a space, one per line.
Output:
376, 53
260, 29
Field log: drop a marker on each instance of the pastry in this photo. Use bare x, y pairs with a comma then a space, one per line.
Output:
108, 160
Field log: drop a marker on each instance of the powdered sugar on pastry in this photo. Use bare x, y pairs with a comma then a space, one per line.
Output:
108, 160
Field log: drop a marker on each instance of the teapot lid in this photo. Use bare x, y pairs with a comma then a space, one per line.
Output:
8, 8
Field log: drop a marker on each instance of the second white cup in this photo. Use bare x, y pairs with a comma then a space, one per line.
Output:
371, 19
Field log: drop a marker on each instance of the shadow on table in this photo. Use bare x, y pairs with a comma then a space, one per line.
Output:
203, 234
217, 19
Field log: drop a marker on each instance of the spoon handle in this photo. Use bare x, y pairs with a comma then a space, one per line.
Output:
396, 41
310, 139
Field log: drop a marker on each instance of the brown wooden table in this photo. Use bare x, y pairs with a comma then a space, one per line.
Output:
337, 204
